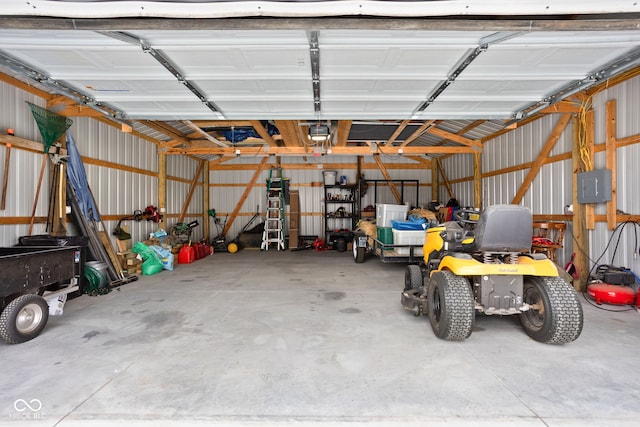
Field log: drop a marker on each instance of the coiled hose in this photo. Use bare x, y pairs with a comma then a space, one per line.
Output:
96, 281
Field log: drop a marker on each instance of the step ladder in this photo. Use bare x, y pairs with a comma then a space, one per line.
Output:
274, 224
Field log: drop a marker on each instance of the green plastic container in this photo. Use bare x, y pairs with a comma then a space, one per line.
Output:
385, 235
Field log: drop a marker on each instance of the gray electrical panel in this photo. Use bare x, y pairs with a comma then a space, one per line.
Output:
594, 186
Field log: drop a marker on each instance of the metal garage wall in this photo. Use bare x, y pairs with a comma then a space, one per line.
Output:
627, 97
180, 173
456, 169
228, 186
24, 167
550, 191
116, 187
385, 195
121, 169
226, 189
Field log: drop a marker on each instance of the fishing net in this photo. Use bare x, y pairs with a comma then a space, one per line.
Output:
51, 125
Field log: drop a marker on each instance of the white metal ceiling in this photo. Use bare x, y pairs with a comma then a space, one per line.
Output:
363, 74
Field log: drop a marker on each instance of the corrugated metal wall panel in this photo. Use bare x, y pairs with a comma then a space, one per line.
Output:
550, 190
109, 144
24, 168
16, 114
184, 168
225, 198
117, 192
457, 167
627, 182
627, 97
309, 184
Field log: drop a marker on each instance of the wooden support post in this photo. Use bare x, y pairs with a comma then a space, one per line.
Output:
247, 190
162, 181
434, 180
477, 180
5, 179
58, 208
192, 187
579, 231
537, 164
589, 132
206, 200
35, 200
386, 175
610, 154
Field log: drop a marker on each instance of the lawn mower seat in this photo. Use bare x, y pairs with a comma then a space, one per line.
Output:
504, 228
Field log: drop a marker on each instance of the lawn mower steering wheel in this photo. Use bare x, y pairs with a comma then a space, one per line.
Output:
462, 216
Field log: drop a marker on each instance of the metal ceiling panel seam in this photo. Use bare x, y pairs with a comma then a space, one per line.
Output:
228, 9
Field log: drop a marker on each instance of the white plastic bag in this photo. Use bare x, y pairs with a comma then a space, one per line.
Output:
56, 305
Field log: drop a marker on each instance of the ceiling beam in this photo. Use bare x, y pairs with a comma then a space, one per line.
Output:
461, 23
418, 133
397, 132
260, 130
222, 123
177, 137
422, 160
344, 127
25, 86
454, 137
464, 130
562, 107
302, 134
205, 134
220, 160
288, 132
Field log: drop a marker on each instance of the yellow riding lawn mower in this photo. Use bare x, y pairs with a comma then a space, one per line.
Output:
482, 262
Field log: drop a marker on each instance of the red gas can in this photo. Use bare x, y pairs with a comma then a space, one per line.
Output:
186, 255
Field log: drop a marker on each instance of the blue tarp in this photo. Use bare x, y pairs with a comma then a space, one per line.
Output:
78, 179
414, 223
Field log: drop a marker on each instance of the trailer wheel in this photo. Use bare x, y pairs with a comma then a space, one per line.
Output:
451, 306
358, 251
556, 314
413, 278
23, 318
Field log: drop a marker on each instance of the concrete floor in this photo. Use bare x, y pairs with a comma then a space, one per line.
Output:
306, 338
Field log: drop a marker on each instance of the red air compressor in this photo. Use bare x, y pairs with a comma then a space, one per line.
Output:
612, 286
613, 294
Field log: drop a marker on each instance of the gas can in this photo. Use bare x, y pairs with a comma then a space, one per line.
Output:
186, 255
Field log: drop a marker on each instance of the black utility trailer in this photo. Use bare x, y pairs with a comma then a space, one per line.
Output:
388, 253
32, 278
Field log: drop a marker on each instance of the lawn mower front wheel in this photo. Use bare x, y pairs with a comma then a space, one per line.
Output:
451, 306
555, 316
